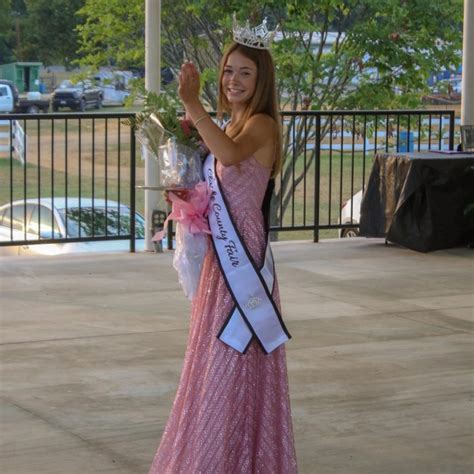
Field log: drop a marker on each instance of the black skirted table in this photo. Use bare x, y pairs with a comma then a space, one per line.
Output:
418, 200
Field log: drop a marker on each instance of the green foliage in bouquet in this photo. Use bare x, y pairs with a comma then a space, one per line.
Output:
167, 107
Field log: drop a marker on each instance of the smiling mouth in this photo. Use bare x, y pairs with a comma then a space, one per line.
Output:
235, 91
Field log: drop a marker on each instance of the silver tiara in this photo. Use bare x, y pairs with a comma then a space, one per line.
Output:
258, 37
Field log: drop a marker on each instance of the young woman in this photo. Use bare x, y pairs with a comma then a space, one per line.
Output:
232, 413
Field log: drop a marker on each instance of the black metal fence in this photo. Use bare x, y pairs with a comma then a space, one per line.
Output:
69, 178
329, 156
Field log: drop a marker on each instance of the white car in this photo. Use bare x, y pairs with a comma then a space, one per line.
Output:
35, 219
356, 201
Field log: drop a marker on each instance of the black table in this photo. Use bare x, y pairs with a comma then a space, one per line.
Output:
418, 200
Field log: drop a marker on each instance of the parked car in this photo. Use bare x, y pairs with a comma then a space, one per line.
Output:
12, 102
77, 96
47, 220
356, 201
114, 86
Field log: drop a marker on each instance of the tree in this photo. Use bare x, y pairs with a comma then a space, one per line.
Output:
403, 41
332, 54
112, 33
9, 28
6, 28
48, 31
38, 30
381, 57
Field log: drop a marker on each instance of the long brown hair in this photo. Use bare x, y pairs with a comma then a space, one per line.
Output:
264, 99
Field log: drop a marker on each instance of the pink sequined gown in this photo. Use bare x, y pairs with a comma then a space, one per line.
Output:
231, 414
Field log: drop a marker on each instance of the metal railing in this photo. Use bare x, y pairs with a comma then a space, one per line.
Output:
328, 157
72, 179
83, 168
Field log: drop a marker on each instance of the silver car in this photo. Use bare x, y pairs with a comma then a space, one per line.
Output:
35, 220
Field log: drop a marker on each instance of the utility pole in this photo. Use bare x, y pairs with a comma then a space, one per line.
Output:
152, 83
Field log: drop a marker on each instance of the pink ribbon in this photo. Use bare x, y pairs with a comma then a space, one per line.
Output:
191, 213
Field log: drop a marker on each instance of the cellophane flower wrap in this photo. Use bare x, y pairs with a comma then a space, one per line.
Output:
171, 140
178, 149
179, 165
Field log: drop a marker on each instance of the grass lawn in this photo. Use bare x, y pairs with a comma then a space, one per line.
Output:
31, 181
340, 178
25, 183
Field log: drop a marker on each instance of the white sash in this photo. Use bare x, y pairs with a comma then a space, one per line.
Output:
254, 312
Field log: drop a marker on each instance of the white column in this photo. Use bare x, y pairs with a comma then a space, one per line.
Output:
152, 83
467, 95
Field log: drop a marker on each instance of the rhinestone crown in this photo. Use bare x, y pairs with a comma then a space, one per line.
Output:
258, 37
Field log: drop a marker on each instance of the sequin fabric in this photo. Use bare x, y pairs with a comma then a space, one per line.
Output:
231, 413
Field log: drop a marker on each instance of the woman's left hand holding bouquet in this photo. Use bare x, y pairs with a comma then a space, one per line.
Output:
189, 211
180, 193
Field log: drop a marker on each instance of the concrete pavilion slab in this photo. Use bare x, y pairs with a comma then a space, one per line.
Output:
380, 364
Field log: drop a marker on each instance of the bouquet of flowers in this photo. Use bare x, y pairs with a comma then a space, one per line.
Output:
171, 140
176, 145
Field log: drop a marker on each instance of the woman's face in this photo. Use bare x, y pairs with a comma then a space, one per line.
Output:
239, 79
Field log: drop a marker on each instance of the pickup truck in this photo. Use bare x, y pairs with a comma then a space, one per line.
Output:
77, 96
11, 102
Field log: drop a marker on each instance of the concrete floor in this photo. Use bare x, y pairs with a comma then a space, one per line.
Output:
380, 363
